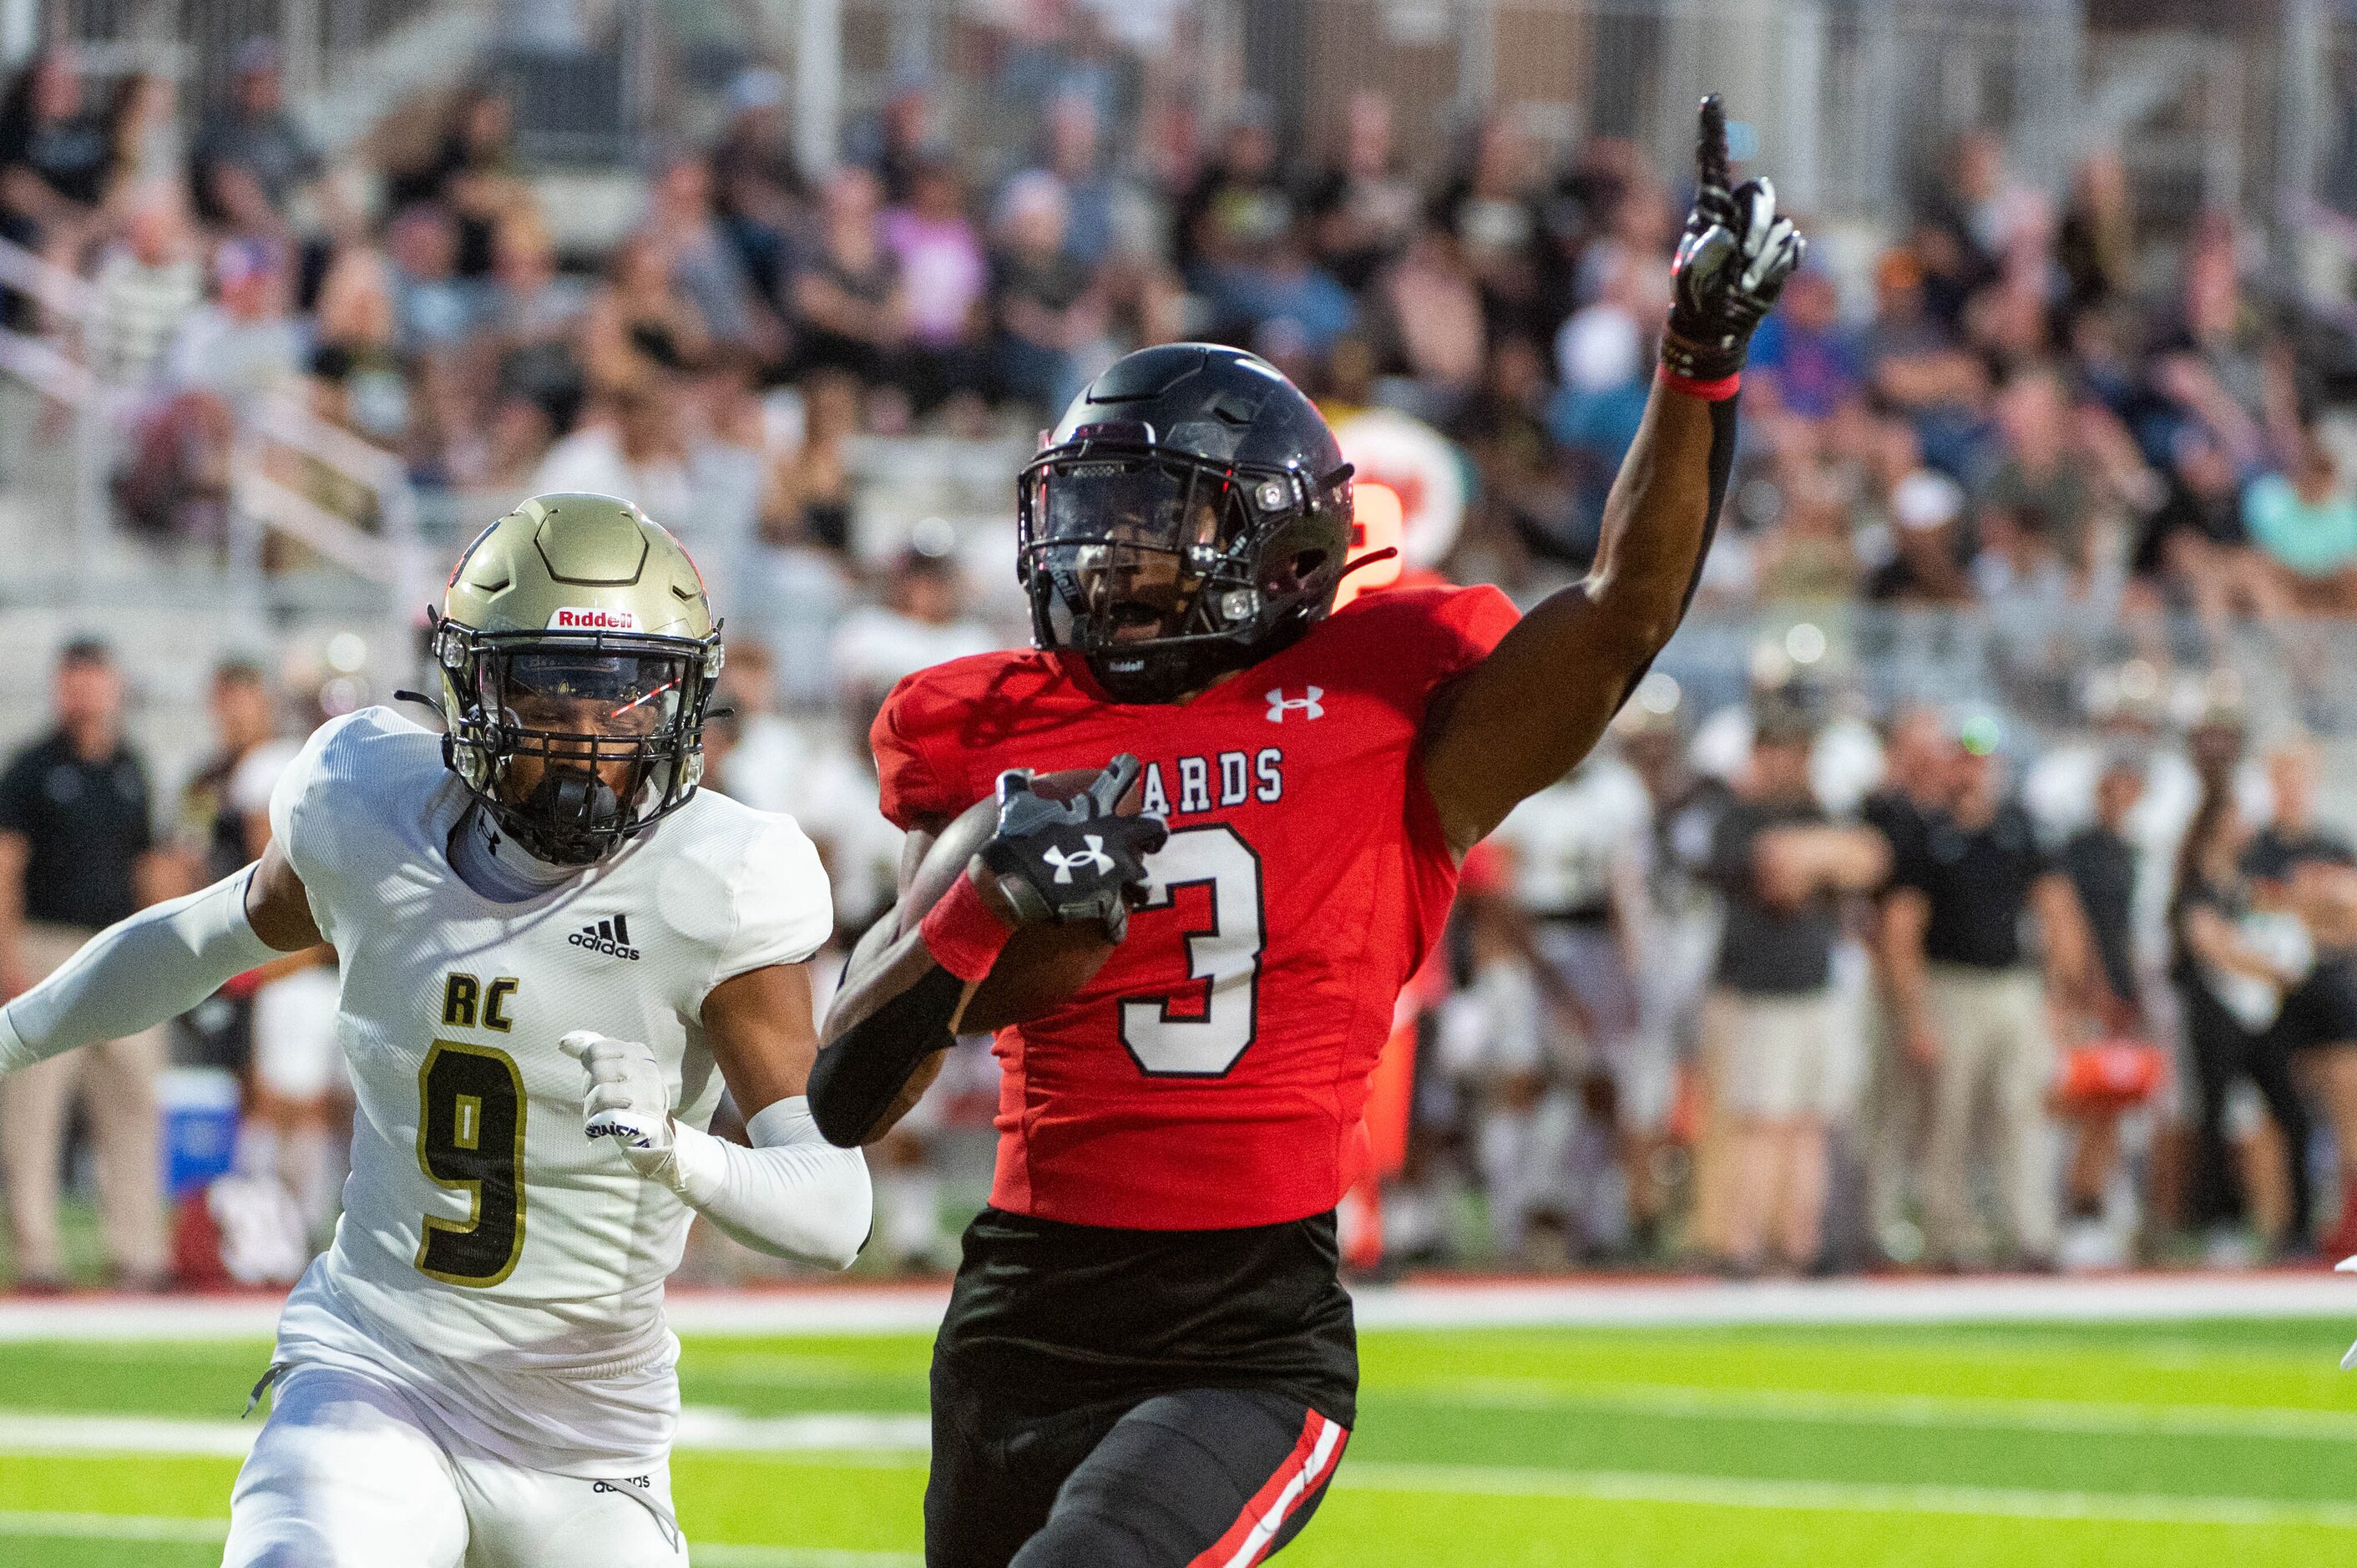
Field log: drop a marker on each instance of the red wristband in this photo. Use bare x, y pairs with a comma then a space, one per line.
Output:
961, 933
1717, 390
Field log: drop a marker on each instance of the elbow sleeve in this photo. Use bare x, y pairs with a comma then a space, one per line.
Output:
792, 1195
136, 973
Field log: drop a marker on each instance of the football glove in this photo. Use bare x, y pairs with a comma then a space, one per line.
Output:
626, 1101
1732, 261
1070, 861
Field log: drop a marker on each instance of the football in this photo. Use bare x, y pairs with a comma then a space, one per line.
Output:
1041, 965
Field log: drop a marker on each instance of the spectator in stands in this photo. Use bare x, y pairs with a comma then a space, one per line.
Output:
1045, 305
55, 160
1604, 384
1240, 203
2034, 510
634, 438
901, 135
1364, 207
148, 284
226, 358
947, 278
1803, 355
1491, 210
2232, 972
250, 156
1784, 867
921, 621
434, 308
849, 303
243, 346
144, 132
2305, 521
1971, 1005
77, 854
705, 270
473, 176
2194, 546
757, 191
810, 501
1095, 199
1431, 307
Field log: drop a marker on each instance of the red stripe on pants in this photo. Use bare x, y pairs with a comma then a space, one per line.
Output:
1222, 1552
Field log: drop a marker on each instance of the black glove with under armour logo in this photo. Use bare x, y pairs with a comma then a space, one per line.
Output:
1070, 861
1731, 263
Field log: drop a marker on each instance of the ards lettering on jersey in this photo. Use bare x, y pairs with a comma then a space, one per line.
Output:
1212, 783
609, 936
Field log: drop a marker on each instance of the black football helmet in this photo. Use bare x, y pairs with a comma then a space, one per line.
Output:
1190, 516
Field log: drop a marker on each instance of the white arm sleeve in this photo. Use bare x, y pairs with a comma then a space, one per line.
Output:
793, 1194
136, 974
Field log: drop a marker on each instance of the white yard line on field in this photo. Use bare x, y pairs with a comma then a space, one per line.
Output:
202, 1531
1838, 1497
2076, 1416
700, 1427
1572, 1303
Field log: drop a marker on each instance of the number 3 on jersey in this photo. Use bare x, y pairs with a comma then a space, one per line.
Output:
470, 1138
1199, 1029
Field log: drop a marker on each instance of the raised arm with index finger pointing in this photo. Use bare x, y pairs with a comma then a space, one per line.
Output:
1523, 716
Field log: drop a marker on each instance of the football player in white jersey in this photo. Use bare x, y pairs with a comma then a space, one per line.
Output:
553, 954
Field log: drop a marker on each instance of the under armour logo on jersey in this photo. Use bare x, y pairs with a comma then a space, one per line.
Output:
611, 938
1093, 856
1308, 707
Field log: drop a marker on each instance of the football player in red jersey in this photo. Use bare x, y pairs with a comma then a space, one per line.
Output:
1149, 1358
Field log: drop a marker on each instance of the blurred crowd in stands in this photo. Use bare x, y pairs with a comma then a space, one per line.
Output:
1776, 984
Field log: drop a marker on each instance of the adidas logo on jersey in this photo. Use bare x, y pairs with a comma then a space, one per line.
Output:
611, 938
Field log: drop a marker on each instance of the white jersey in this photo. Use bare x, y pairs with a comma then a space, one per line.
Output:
482, 1232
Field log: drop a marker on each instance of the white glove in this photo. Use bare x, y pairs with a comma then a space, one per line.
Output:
793, 1194
627, 1102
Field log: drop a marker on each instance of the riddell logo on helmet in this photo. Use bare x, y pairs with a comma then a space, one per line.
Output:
589, 620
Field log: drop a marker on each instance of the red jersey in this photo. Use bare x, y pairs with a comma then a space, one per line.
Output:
1212, 1074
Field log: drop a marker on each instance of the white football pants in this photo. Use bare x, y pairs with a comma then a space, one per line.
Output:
345, 1475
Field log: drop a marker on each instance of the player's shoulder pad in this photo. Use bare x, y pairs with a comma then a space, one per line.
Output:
781, 906
1481, 610
944, 697
1410, 641
934, 718
366, 749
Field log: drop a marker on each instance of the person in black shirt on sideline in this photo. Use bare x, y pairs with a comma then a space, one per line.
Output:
1918, 769
77, 854
2293, 839
1768, 1030
2100, 861
1972, 1005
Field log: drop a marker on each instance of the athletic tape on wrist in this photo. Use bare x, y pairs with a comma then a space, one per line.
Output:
962, 934
1717, 390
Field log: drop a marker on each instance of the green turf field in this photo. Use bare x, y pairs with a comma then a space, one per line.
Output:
2050, 1445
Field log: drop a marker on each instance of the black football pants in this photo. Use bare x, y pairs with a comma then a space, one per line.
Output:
1215, 1478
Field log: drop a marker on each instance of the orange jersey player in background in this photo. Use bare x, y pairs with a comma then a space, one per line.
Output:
1148, 1357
